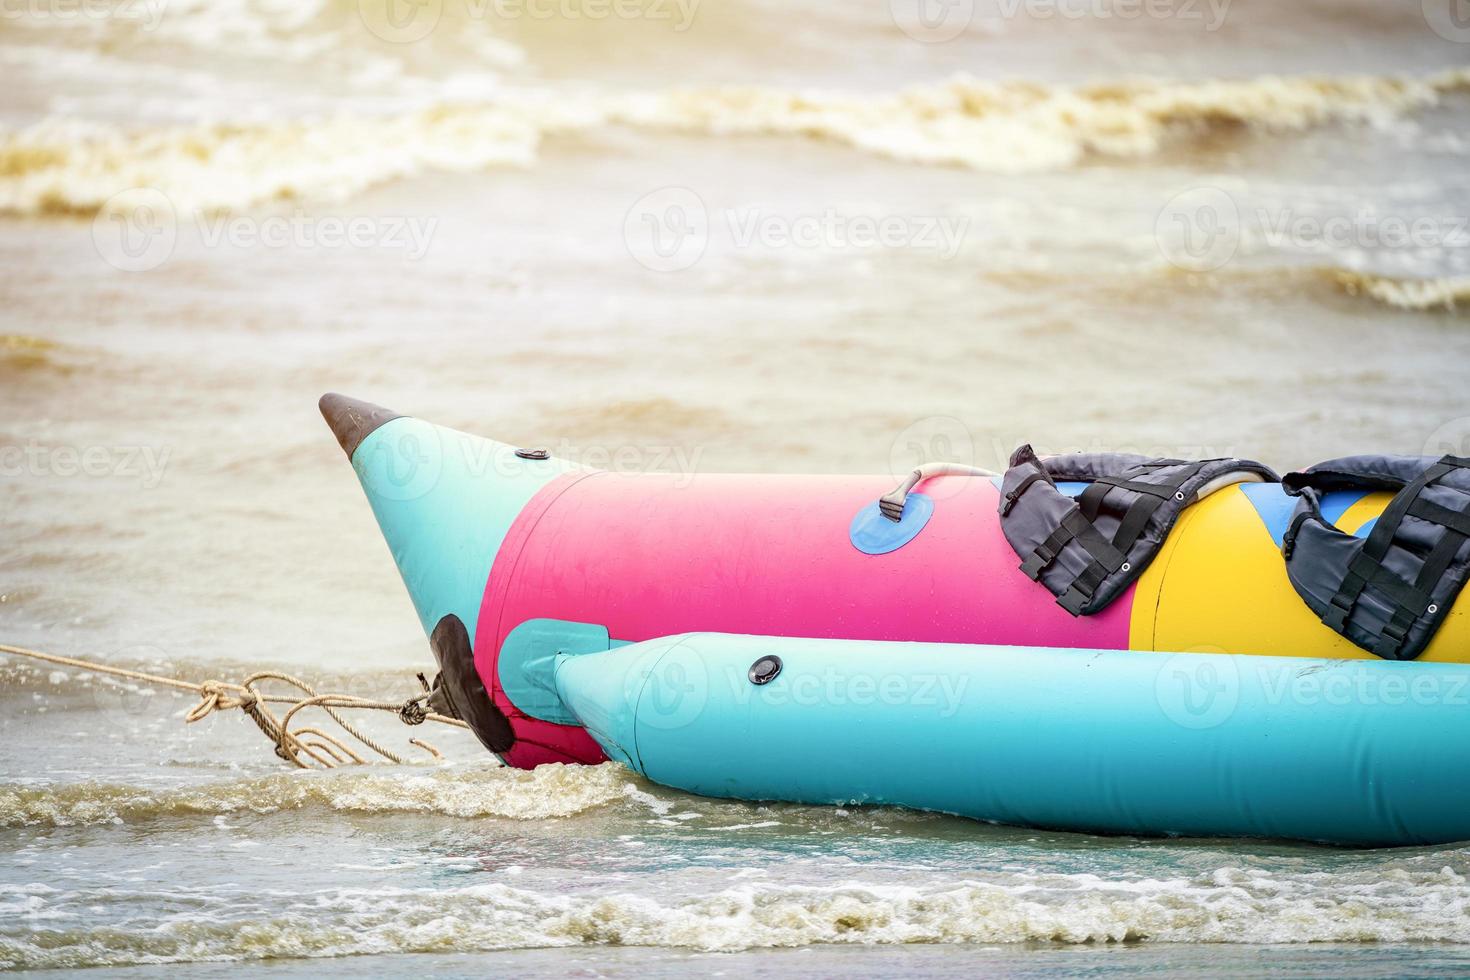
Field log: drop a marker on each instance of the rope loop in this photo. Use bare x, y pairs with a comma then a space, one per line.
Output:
305, 746
413, 711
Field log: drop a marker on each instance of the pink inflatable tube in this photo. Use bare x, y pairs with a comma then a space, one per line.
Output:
652, 555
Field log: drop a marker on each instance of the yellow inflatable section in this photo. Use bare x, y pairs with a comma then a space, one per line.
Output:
1219, 585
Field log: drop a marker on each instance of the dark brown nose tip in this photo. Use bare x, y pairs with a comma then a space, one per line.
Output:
352, 420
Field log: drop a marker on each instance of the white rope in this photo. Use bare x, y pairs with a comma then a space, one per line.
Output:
296, 745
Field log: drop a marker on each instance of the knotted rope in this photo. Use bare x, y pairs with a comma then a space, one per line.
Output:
302, 746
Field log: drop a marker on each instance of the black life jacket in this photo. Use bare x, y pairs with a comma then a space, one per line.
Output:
1387, 592
1088, 550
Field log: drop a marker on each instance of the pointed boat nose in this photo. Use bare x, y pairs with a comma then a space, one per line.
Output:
443, 499
353, 420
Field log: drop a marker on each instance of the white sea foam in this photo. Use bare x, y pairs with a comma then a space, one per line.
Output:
1226, 906
452, 791
1442, 293
71, 167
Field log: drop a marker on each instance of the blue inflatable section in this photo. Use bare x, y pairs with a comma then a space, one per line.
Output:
1275, 507
1366, 753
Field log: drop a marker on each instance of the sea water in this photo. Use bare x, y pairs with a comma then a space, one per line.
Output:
721, 236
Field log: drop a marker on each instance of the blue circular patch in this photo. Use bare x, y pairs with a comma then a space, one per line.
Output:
873, 534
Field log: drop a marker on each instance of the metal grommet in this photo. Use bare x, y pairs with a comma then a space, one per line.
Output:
533, 454
1433, 608
764, 670
1126, 567
1178, 494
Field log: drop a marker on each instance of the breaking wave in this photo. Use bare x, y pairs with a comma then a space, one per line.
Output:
61, 167
1224, 906
453, 791
1450, 293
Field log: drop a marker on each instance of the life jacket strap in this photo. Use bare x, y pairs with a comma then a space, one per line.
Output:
1369, 567
1113, 528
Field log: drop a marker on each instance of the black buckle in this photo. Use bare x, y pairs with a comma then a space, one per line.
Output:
1390, 640
1288, 540
1074, 599
1037, 563
1337, 613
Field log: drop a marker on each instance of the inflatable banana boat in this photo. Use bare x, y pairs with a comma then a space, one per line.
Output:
787, 638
